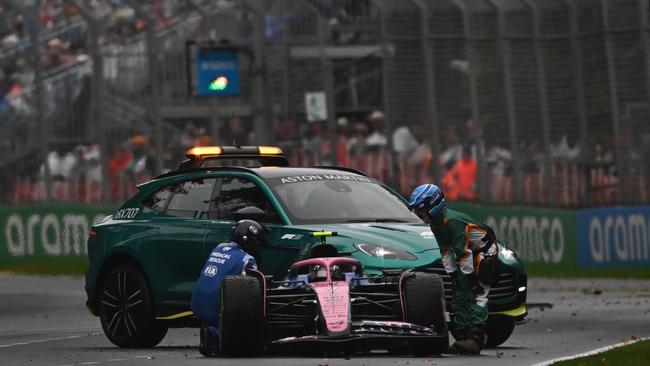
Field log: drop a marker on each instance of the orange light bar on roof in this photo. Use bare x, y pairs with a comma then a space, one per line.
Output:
204, 150
269, 150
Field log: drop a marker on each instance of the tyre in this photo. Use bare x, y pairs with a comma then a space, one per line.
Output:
125, 308
241, 321
499, 330
423, 304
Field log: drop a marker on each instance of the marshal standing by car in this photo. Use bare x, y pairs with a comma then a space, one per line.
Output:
145, 260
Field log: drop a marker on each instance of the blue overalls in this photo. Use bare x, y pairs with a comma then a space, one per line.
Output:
226, 259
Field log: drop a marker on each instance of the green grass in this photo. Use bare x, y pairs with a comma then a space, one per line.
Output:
637, 354
540, 270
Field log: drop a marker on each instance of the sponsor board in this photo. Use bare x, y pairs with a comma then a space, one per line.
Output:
33, 235
537, 235
614, 236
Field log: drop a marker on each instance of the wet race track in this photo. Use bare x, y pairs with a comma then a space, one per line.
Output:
43, 321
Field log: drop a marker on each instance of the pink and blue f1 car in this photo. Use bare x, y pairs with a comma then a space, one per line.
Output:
328, 303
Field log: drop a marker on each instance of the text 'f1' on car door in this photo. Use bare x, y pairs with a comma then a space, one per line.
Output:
173, 254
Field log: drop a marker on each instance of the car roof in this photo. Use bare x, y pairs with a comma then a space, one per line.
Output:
277, 172
263, 172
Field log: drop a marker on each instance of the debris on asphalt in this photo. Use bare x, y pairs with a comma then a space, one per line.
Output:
499, 354
592, 291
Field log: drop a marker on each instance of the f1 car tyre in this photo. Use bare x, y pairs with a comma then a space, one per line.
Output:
241, 321
424, 305
499, 329
126, 309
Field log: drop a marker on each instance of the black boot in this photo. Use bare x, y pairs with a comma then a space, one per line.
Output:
209, 345
473, 344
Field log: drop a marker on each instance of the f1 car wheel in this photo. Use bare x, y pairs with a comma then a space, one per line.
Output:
423, 305
241, 320
499, 330
126, 310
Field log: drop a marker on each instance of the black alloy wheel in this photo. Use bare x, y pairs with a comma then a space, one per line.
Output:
126, 310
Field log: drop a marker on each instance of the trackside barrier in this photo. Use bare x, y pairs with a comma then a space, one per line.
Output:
538, 235
47, 238
614, 236
52, 238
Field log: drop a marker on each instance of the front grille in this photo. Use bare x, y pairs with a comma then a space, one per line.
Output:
503, 288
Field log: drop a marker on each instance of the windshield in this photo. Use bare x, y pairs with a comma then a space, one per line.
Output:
326, 198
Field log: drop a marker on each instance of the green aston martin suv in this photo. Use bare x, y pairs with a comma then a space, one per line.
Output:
146, 258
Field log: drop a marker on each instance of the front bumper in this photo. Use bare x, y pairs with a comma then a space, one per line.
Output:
507, 296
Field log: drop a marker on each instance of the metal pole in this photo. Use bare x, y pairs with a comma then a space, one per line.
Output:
476, 113
155, 99
386, 64
39, 86
328, 70
543, 100
576, 50
95, 27
645, 37
430, 82
264, 134
613, 89
504, 48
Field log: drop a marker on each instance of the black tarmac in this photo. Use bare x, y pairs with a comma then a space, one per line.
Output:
43, 321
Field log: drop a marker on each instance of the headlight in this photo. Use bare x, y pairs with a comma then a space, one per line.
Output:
508, 254
384, 252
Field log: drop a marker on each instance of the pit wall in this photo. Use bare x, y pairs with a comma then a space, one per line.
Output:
52, 238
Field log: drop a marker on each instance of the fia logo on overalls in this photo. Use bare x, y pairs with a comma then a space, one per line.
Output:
210, 271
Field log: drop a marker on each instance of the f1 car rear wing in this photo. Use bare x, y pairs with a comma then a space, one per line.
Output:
249, 156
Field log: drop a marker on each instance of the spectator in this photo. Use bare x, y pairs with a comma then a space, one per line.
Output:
143, 165
377, 138
188, 137
460, 181
404, 142
342, 153
357, 142
234, 133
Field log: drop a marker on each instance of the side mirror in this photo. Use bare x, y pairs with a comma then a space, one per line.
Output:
250, 213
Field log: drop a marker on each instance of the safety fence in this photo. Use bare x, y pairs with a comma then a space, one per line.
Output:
508, 101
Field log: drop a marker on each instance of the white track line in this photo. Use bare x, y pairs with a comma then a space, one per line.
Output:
591, 353
39, 341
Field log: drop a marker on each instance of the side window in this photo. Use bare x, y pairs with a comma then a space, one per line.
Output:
158, 200
237, 193
191, 198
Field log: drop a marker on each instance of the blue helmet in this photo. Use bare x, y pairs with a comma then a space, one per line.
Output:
428, 196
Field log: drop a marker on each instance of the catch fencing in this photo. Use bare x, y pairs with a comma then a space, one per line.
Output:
549, 99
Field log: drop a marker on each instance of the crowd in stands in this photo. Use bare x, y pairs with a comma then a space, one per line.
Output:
64, 46
362, 143
401, 156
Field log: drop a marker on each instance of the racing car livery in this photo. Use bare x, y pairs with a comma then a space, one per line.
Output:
329, 302
145, 259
